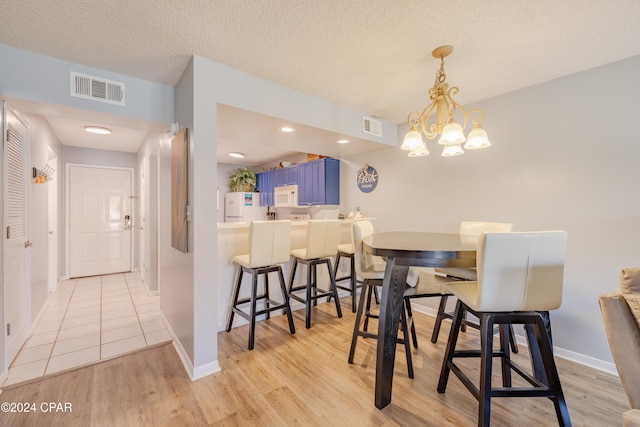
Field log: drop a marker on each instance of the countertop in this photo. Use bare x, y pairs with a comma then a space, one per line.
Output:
235, 225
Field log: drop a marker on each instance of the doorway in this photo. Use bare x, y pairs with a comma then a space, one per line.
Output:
100, 220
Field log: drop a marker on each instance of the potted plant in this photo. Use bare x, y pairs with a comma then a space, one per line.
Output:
242, 179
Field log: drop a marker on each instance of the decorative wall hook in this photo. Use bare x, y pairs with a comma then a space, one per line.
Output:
43, 175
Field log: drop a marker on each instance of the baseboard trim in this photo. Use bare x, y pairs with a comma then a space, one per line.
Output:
194, 373
39, 317
3, 377
572, 356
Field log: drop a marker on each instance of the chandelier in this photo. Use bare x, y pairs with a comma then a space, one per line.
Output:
442, 114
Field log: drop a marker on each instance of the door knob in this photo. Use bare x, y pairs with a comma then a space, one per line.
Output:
28, 244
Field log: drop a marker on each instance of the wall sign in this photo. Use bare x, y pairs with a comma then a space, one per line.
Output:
367, 179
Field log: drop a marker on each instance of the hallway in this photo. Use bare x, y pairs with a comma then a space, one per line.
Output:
89, 320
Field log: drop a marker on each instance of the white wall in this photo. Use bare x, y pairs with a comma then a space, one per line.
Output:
564, 156
149, 152
41, 137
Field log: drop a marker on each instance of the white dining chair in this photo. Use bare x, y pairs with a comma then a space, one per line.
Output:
469, 231
269, 247
322, 241
370, 269
519, 275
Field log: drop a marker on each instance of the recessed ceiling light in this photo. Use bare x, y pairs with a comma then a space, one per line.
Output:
236, 155
287, 129
343, 141
98, 129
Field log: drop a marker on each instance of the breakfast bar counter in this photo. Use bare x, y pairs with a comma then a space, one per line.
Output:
233, 239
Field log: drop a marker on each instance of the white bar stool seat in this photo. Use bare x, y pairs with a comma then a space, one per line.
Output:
322, 243
470, 230
269, 246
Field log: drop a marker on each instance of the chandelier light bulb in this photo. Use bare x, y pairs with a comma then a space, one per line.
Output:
420, 151
452, 150
412, 140
452, 134
477, 139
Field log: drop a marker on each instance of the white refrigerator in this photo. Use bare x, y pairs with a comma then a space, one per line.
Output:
243, 207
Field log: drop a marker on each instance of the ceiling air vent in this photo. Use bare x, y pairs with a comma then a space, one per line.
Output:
371, 126
97, 89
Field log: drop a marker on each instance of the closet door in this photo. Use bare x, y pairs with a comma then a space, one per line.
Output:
16, 245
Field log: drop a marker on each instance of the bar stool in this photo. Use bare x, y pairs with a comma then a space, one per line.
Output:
269, 246
371, 270
470, 230
345, 250
322, 244
519, 275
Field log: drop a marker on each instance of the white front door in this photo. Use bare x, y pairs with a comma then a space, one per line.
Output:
16, 244
99, 221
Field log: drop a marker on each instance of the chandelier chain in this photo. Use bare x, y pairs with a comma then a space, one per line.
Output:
440, 75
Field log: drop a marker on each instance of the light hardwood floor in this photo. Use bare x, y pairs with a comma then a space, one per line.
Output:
302, 379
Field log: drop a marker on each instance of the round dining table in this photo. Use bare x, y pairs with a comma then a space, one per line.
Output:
404, 249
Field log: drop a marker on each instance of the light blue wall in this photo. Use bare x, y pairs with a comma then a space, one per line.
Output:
176, 268
242, 90
43, 78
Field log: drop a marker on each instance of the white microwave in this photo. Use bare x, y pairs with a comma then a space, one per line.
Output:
285, 196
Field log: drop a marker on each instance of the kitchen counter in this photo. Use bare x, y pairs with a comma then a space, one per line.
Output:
225, 225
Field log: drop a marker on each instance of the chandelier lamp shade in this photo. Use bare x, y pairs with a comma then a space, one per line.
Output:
439, 119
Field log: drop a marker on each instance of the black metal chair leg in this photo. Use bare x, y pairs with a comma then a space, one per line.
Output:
456, 324
411, 325
335, 272
441, 315
505, 339
354, 283
406, 341
307, 320
252, 311
512, 340
370, 289
486, 350
356, 327
287, 304
334, 288
234, 303
544, 343
266, 294
292, 273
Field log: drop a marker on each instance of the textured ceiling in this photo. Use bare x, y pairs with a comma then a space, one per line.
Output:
373, 56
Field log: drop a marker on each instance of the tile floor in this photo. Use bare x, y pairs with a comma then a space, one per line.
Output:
89, 320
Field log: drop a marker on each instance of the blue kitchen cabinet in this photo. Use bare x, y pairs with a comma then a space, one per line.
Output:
264, 185
319, 182
291, 175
